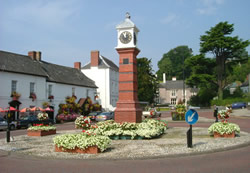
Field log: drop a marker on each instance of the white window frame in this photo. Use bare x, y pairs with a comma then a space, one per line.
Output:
13, 86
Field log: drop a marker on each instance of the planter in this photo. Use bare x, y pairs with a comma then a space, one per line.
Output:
139, 137
40, 132
89, 150
217, 135
125, 137
178, 116
114, 137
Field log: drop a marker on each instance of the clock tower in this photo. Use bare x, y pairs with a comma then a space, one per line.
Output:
128, 107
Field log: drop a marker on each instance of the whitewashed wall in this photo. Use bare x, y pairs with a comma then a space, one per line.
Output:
23, 87
59, 91
103, 79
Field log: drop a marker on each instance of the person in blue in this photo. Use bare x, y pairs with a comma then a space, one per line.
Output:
216, 113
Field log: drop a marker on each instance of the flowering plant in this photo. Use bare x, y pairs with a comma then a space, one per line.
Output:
15, 94
223, 128
83, 122
82, 141
33, 96
42, 127
149, 128
224, 115
51, 97
42, 116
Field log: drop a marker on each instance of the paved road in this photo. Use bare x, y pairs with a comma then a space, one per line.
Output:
231, 161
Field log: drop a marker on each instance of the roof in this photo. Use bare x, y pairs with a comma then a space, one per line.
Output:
11, 62
127, 23
103, 63
15, 63
178, 84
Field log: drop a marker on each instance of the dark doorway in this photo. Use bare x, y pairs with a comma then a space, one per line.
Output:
15, 104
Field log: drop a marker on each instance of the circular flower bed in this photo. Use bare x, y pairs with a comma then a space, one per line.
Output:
149, 128
82, 141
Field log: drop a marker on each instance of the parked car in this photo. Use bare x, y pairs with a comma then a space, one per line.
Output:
31, 120
4, 124
239, 105
105, 116
151, 113
93, 115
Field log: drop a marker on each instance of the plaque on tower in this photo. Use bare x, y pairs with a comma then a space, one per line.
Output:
128, 106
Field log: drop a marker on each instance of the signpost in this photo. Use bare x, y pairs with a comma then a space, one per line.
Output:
191, 118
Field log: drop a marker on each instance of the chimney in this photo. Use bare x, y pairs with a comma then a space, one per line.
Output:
35, 55
174, 78
164, 78
77, 65
94, 58
32, 54
38, 56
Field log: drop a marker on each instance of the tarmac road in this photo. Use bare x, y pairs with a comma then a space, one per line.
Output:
232, 161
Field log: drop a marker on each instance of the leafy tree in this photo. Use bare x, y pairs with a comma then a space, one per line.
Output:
172, 63
146, 80
224, 48
203, 76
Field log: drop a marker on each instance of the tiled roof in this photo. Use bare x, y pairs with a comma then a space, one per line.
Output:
15, 63
103, 63
178, 84
11, 62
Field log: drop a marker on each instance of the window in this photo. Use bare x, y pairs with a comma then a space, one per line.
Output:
87, 94
73, 91
50, 90
173, 93
125, 61
173, 101
13, 86
32, 87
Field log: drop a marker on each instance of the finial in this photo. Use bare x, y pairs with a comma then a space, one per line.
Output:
127, 15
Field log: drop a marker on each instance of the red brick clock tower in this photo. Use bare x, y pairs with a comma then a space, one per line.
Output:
128, 107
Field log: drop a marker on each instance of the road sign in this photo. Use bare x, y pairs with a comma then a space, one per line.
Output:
191, 116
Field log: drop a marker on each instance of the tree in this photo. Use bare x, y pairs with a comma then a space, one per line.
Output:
224, 47
203, 76
146, 80
172, 63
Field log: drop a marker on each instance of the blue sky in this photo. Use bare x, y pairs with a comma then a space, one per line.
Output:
65, 31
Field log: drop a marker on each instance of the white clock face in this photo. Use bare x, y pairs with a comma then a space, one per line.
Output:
125, 37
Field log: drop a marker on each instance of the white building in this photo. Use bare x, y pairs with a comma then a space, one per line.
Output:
106, 76
29, 74
171, 91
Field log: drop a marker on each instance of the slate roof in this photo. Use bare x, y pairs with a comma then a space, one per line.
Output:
11, 62
178, 84
103, 63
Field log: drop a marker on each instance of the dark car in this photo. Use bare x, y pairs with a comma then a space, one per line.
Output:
239, 105
105, 116
4, 124
31, 120
93, 115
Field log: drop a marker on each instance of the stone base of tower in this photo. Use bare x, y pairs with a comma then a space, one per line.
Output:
128, 112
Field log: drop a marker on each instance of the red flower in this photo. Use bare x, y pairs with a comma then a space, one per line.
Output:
83, 131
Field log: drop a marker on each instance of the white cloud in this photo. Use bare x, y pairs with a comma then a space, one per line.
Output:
171, 18
209, 7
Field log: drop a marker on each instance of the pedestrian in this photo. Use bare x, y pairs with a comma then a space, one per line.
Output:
216, 113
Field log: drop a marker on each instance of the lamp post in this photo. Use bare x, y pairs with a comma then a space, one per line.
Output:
183, 73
